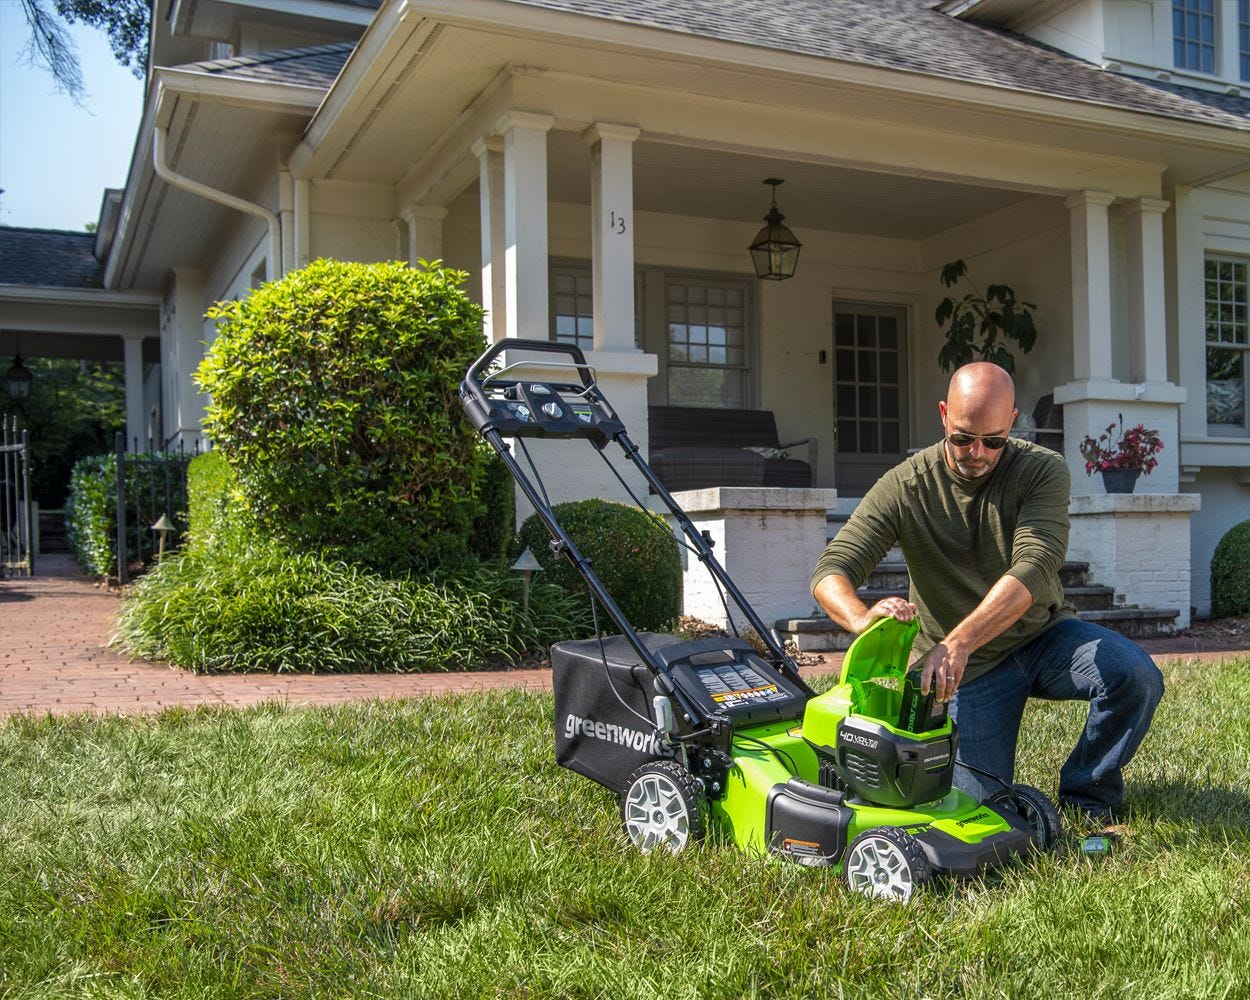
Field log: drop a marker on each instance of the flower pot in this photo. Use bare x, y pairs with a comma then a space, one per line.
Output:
1120, 480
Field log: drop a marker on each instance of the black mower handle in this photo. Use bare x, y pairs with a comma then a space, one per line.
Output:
546, 346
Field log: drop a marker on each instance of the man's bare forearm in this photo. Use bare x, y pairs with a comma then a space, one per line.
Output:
836, 595
1001, 608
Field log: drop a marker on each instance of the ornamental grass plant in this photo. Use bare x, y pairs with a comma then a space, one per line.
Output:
434, 849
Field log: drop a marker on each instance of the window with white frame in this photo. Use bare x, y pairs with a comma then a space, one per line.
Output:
572, 305
707, 322
1243, 37
1227, 343
1193, 35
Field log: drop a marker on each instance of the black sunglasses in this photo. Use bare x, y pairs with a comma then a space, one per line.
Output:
961, 440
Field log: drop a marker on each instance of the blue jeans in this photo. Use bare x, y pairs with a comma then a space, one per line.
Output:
1073, 660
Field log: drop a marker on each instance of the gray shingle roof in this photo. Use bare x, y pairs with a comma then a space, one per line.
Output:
313, 66
907, 35
49, 257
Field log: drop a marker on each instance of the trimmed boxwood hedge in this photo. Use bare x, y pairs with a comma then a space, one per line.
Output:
1230, 573
632, 552
91, 507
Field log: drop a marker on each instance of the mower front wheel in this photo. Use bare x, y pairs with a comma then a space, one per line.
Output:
662, 806
1036, 809
887, 863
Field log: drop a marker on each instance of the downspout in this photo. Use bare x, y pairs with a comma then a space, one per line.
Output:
166, 173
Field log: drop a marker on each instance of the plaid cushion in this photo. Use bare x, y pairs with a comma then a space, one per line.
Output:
697, 468
694, 447
702, 427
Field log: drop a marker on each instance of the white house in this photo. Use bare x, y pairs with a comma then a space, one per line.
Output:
597, 167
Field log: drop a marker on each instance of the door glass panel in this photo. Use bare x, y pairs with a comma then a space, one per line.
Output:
869, 394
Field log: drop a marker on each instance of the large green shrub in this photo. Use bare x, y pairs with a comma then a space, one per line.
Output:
262, 607
216, 508
334, 399
632, 552
91, 507
492, 528
1230, 573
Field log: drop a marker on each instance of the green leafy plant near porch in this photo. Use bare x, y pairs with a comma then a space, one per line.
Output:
1230, 573
334, 398
238, 599
632, 552
981, 327
91, 507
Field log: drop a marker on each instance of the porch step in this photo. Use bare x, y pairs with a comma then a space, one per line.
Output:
820, 635
1093, 603
52, 531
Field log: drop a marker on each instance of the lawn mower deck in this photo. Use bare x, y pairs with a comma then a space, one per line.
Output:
715, 732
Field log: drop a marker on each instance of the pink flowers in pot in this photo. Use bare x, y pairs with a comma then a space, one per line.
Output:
1134, 452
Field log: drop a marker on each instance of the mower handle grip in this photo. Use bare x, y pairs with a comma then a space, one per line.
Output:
547, 346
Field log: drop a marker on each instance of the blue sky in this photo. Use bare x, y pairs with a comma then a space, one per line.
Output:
56, 159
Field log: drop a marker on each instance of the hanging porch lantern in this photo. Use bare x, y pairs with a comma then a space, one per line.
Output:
18, 379
775, 250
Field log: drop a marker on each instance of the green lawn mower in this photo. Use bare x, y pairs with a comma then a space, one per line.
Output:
707, 732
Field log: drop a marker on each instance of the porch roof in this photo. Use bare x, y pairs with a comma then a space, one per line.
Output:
312, 66
910, 36
49, 258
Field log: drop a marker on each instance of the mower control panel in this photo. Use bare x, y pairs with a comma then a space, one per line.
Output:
542, 409
727, 676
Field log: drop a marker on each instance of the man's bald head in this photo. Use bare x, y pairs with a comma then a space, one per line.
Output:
981, 386
981, 400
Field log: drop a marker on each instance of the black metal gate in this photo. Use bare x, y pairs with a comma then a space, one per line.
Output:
151, 502
17, 535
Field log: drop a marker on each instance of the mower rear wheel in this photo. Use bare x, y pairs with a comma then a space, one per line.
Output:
662, 806
1036, 809
887, 863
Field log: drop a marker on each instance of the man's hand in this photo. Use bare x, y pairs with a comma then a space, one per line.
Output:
888, 607
943, 669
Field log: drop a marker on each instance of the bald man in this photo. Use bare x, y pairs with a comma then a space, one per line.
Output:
982, 521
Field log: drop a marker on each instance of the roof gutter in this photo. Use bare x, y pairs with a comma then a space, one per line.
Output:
160, 161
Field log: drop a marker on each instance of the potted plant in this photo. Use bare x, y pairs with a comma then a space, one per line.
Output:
1122, 462
996, 317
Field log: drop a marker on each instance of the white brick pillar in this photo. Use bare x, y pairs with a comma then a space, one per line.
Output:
1146, 282
1090, 237
489, 153
750, 527
1137, 544
525, 223
425, 232
612, 233
135, 423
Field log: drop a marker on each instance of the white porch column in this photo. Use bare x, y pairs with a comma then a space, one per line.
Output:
489, 153
525, 223
612, 233
1091, 284
135, 424
425, 232
184, 405
1146, 281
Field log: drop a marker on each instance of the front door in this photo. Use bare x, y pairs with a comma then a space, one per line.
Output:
870, 393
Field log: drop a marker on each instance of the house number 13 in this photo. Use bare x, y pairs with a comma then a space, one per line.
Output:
616, 223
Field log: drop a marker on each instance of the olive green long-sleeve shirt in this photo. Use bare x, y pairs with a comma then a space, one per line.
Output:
959, 537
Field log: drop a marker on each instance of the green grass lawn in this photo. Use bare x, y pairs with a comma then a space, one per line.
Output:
434, 849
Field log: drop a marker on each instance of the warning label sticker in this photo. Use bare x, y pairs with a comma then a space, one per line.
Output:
736, 684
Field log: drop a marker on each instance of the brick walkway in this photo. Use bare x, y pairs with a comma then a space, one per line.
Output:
53, 658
